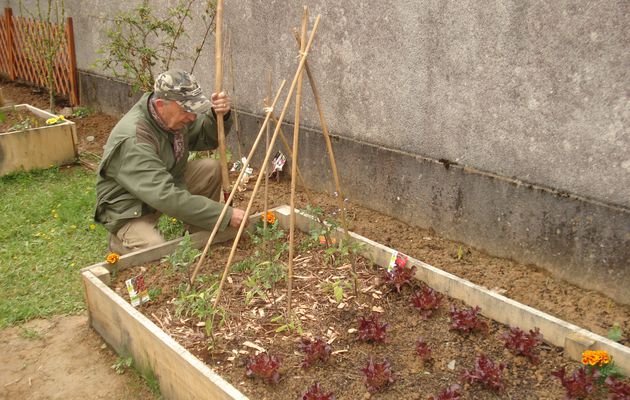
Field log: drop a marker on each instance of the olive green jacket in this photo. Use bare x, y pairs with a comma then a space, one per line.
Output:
138, 173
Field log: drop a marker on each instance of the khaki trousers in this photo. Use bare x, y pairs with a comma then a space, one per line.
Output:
203, 177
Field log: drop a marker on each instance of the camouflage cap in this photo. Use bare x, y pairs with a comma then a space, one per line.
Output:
183, 88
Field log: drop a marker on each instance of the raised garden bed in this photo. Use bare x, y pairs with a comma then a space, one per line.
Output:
182, 375
27, 142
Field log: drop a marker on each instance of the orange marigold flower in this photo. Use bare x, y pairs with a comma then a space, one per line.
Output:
595, 357
271, 217
113, 258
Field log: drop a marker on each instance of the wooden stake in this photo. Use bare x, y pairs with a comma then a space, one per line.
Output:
237, 127
333, 164
296, 137
267, 156
229, 199
265, 169
218, 87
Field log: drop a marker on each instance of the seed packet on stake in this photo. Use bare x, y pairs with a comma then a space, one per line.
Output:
277, 163
138, 292
397, 259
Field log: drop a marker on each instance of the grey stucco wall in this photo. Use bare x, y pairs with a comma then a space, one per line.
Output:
528, 101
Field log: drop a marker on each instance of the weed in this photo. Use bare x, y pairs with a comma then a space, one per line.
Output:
81, 112
614, 333
154, 293
170, 228
122, 364
30, 334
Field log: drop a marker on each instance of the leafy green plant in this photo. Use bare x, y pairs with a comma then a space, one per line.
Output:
337, 288
615, 333
154, 293
122, 364
291, 325
200, 304
81, 112
265, 265
142, 40
44, 40
183, 256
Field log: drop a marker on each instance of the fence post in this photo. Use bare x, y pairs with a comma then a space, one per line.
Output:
72, 60
8, 19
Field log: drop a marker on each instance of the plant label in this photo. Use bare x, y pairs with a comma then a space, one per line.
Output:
138, 292
397, 259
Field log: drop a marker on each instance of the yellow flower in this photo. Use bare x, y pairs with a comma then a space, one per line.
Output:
92, 227
113, 258
55, 120
271, 217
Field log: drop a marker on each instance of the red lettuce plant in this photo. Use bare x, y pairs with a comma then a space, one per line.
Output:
264, 366
426, 301
315, 350
450, 393
467, 320
486, 372
315, 392
521, 343
400, 275
423, 350
371, 330
617, 390
580, 384
377, 375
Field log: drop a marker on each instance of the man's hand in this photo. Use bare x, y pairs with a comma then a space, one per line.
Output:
221, 103
237, 218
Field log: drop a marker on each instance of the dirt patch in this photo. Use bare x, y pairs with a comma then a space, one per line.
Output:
61, 358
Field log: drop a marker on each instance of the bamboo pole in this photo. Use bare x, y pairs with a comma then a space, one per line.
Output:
273, 139
218, 87
296, 137
237, 126
265, 168
333, 163
226, 205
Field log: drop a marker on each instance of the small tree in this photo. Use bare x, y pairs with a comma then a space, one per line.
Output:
45, 39
140, 40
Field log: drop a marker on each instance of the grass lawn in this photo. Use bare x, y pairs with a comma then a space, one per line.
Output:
47, 235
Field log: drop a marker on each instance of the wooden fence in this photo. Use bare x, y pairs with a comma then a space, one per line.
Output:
21, 55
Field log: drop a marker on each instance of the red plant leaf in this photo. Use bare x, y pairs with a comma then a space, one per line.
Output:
486, 372
371, 330
314, 350
377, 375
521, 343
264, 366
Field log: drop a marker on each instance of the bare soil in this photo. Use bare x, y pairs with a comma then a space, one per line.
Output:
524, 283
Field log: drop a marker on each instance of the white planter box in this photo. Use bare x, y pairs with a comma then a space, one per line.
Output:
37, 147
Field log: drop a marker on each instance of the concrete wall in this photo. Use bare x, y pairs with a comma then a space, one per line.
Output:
513, 95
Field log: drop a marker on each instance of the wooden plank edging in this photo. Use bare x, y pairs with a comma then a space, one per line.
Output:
180, 374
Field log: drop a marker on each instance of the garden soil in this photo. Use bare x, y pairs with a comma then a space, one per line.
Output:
524, 283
